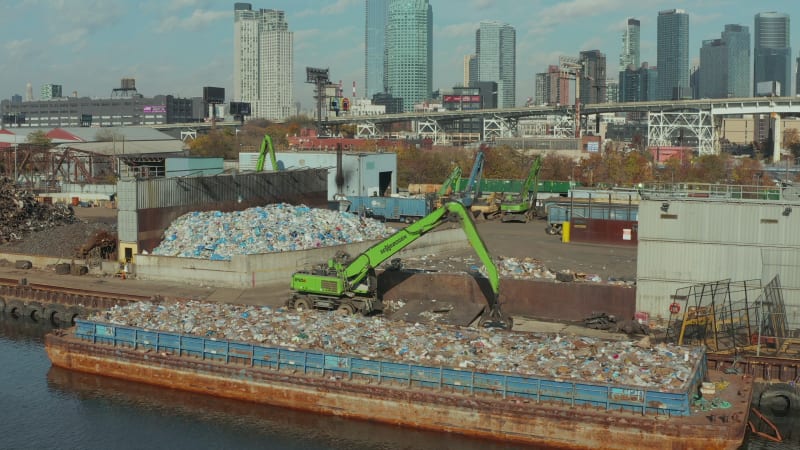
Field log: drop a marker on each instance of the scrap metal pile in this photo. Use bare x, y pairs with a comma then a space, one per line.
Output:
264, 229
664, 366
21, 214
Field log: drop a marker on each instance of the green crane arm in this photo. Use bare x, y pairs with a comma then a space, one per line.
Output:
455, 177
533, 176
359, 268
266, 144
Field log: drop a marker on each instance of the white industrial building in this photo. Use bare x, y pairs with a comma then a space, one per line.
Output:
364, 174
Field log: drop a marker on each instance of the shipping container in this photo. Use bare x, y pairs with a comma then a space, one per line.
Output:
402, 209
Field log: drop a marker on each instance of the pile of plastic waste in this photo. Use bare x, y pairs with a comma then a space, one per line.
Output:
280, 227
664, 366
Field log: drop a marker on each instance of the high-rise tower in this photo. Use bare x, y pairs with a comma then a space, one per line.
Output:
409, 51
593, 86
725, 64
630, 45
772, 52
375, 47
496, 47
673, 55
262, 61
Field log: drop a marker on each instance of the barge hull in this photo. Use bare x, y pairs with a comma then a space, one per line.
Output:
490, 417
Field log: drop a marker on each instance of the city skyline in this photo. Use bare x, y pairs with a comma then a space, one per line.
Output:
179, 47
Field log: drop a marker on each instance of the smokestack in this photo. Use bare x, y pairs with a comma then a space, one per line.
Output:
354, 90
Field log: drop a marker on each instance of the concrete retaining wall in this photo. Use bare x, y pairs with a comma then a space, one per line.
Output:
38, 262
249, 271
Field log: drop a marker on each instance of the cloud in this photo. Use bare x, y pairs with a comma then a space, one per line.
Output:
456, 30
74, 37
197, 20
18, 47
570, 11
339, 7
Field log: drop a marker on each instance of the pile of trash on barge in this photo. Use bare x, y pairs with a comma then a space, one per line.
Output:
663, 366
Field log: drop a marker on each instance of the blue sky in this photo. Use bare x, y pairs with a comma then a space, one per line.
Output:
178, 46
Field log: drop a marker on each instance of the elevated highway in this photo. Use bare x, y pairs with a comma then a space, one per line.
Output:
700, 118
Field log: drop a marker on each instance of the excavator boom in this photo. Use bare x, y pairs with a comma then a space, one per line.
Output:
266, 146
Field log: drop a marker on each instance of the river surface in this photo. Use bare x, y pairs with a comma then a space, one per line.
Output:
42, 407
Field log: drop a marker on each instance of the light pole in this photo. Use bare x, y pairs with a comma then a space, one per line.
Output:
15, 160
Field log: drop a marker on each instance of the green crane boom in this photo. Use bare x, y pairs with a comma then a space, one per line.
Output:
352, 284
451, 181
266, 144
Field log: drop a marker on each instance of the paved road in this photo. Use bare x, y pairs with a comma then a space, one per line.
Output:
520, 240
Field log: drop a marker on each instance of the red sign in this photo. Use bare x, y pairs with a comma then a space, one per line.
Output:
461, 98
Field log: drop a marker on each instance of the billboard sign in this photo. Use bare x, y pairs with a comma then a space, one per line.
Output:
461, 98
213, 94
240, 108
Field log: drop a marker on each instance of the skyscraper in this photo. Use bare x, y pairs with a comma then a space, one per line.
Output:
593, 85
470, 69
630, 45
50, 91
673, 54
725, 64
262, 61
552, 87
409, 51
772, 52
496, 47
375, 47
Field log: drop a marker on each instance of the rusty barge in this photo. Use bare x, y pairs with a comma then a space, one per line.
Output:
493, 405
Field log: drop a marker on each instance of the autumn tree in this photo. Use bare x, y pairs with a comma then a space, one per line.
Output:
39, 138
791, 141
557, 167
217, 142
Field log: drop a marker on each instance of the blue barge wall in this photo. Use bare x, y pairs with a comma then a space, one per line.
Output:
609, 397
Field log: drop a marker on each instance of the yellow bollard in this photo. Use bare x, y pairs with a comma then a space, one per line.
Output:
565, 232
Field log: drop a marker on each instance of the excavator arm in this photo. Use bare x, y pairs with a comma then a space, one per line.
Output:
451, 182
472, 189
266, 145
359, 268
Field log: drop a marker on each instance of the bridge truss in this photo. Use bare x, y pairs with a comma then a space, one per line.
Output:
664, 128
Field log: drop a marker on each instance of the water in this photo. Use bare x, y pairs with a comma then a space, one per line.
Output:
42, 407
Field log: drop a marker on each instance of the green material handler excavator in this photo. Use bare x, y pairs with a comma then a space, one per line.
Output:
351, 285
521, 206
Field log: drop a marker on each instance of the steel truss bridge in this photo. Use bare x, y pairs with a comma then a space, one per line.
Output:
666, 119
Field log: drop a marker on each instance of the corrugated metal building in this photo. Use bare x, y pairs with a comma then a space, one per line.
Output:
148, 207
685, 241
365, 174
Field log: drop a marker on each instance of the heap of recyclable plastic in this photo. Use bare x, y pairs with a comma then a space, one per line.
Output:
280, 227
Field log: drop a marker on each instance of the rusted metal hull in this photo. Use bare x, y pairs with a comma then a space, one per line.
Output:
761, 368
481, 416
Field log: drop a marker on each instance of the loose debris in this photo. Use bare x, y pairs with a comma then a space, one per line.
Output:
21, 214
273, 228
603, 321
664, 366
